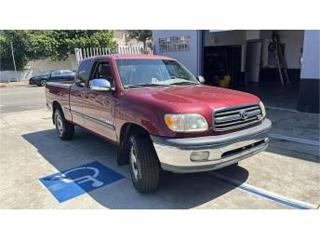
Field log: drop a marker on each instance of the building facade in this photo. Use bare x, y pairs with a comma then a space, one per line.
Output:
288, 77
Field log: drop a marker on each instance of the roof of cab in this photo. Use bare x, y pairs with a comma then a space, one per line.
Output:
131, 56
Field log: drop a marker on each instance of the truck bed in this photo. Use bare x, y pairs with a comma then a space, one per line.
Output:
60, 92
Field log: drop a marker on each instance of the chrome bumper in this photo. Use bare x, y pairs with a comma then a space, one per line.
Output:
223, 150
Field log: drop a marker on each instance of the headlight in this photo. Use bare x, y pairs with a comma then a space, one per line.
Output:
263, 109
186, 122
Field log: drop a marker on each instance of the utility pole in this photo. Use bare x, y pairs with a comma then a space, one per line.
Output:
14, 61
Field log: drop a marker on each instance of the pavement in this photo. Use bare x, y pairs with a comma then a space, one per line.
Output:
286, 176
15, 99
6, 84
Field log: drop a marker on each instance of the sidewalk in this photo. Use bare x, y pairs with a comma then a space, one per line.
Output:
14, 84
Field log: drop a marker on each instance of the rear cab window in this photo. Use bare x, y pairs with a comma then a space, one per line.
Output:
84, 72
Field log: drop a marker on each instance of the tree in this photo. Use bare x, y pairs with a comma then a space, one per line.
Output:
56, 44
20, 41
71, 39
141, 35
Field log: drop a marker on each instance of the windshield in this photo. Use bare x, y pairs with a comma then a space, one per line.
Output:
153, 72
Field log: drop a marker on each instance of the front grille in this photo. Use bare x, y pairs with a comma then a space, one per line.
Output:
236, 117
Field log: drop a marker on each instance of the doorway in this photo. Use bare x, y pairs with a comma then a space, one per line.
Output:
220, 61
253, 61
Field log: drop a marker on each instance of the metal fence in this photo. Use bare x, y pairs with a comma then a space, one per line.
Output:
82, 53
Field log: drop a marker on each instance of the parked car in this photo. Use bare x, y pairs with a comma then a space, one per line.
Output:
52, 76
159, 115
36, 80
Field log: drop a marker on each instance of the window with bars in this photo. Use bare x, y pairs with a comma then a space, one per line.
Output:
174, 44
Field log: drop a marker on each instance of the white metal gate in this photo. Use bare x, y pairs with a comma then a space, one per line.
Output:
82, 53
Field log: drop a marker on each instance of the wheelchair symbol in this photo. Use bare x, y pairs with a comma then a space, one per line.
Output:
86, 178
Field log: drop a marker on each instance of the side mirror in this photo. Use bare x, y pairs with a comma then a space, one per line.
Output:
201, 79
100, 84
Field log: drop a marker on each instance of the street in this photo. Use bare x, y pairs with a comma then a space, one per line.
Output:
285, 176
21, 99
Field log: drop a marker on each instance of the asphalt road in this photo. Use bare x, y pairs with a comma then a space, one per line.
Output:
21, 99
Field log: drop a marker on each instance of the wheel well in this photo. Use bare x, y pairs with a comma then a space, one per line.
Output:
55, 106
128, 128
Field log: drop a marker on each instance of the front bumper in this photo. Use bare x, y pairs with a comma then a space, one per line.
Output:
223, 150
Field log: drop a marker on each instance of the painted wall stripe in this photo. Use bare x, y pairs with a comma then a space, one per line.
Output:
264, 193
293, 139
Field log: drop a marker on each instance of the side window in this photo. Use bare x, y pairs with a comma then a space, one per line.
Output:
103, 70
66, 72
83, 72
55, 73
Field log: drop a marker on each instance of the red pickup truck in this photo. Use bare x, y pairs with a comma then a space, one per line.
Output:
159, 115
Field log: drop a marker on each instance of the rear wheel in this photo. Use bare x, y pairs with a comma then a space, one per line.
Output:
144, 164
64, 129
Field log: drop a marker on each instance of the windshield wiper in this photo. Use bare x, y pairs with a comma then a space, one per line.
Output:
184, 83
147, 85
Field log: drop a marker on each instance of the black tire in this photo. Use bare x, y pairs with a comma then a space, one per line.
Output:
64, 129
42, 83
145, 170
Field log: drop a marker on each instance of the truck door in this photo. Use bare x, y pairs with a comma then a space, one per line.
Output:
78, 90
98, 105
76, 104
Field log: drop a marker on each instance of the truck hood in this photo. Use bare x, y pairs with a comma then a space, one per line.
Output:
192, 98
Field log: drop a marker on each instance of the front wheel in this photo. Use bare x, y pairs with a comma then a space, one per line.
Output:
64, 129
42, 83
144, 164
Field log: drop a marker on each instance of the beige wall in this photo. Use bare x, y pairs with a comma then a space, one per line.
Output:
47, 65
35, 67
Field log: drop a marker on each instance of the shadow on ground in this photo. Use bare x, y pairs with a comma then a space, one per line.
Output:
294, 150
176, 190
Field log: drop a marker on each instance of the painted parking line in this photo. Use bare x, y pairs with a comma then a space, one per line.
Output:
79, 180
294, 139
265, 194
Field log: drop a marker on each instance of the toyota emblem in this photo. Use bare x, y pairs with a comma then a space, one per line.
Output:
244, 115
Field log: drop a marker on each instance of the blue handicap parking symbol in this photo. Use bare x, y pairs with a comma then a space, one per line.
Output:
79, 180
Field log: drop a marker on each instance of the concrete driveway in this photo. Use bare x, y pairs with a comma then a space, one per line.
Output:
285, 176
